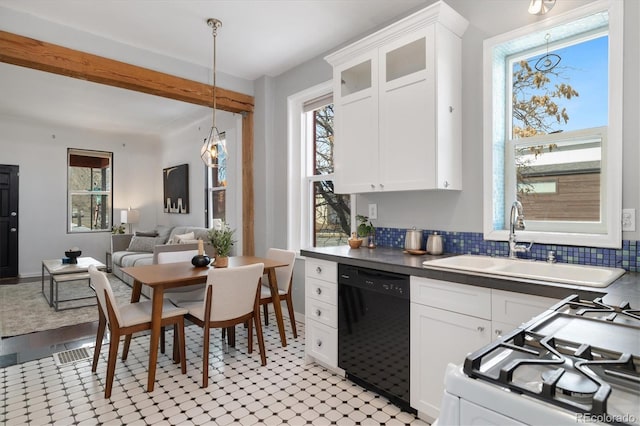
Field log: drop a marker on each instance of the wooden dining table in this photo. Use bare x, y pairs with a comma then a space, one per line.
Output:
160, 277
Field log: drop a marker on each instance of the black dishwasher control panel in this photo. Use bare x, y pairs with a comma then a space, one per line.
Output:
389, 283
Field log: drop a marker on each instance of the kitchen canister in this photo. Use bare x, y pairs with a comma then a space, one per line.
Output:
434, 244
413, 239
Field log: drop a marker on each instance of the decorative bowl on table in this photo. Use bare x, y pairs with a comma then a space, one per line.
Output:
200, 261
73, 255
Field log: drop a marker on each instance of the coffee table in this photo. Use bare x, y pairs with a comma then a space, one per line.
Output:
60, 273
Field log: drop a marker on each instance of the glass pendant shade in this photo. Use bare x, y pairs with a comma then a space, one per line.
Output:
213, 145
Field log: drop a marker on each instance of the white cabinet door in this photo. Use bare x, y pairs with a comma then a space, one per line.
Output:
499, 329
356, 125
439, 337
407, 113
516, 308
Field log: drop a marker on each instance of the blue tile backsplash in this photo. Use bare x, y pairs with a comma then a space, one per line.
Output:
628, 257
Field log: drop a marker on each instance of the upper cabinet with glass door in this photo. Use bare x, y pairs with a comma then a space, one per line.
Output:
397, 105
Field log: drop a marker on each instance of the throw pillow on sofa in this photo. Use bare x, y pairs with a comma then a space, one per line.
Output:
153, 233
180, 238
144, 244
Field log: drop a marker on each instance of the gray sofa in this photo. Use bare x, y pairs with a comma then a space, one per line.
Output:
142, 249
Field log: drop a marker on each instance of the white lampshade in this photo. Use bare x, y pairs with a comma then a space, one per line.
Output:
129, 216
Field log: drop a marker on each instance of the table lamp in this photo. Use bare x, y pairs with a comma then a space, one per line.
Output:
129, 217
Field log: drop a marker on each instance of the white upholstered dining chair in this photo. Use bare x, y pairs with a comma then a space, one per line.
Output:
284, 277
232, 297
124, 320
179, 294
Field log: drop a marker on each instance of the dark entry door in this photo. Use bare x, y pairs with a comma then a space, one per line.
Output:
8, 221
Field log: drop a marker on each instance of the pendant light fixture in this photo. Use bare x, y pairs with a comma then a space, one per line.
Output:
540, 7
210, 151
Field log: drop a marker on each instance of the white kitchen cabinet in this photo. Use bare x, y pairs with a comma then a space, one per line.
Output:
321, 314
444, 329
509, 310
397, 97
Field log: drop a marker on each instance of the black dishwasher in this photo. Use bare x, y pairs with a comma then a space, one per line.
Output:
373, 331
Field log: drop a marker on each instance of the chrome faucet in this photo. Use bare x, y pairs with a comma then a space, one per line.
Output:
516, 223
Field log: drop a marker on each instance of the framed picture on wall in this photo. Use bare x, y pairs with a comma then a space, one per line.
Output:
176, 189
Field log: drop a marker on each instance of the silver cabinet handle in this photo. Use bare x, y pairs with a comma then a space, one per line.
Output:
446, 183
382, 185
319, 343
318, 291
318, 270
13, 229
373, 186
498, 333
318, 312
480, 328
14, 214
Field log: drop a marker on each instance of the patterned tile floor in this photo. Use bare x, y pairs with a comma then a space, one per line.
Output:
240, 392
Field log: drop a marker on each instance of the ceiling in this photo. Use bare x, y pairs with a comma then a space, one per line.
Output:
258, 38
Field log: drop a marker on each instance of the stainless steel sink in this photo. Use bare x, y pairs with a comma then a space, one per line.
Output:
590, 276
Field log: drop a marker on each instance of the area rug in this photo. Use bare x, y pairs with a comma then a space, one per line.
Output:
23, 308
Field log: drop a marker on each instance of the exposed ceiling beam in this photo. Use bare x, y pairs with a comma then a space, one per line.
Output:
40, 55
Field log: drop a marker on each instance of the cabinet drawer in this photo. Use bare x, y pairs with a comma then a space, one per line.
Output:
323, 291
454, 297
321, 269
321, 312
321, 342
517, 308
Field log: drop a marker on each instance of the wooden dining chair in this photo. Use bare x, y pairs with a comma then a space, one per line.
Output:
232, 297
284, 276
180, 294
125, 320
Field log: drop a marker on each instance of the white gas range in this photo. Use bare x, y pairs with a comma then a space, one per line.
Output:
578, 362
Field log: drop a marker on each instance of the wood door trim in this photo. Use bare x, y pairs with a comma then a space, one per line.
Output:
43, 56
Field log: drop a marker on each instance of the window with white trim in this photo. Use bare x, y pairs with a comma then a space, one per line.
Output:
217, 187
89, 198
331, 213
553, 127
317, 216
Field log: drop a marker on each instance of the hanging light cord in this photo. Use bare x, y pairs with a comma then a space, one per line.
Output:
214, 24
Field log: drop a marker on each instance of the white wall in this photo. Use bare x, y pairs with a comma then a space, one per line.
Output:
40, 150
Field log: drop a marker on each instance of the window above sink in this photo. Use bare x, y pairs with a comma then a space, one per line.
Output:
556, 144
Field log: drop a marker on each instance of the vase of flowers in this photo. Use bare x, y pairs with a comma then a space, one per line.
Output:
221, 239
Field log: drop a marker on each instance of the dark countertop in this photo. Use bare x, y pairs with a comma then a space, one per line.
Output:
626, 288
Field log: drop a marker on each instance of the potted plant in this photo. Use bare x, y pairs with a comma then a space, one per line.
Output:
365, 229
222, 241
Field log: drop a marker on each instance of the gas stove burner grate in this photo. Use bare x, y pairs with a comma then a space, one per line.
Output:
606, 312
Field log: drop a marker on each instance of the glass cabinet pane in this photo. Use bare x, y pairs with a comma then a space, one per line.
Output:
406, 59
356, 78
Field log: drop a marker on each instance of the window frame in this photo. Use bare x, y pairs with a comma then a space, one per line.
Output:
210, 189
71, 192
497, 123
300, 214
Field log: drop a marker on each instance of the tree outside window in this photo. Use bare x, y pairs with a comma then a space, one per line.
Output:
332, 212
